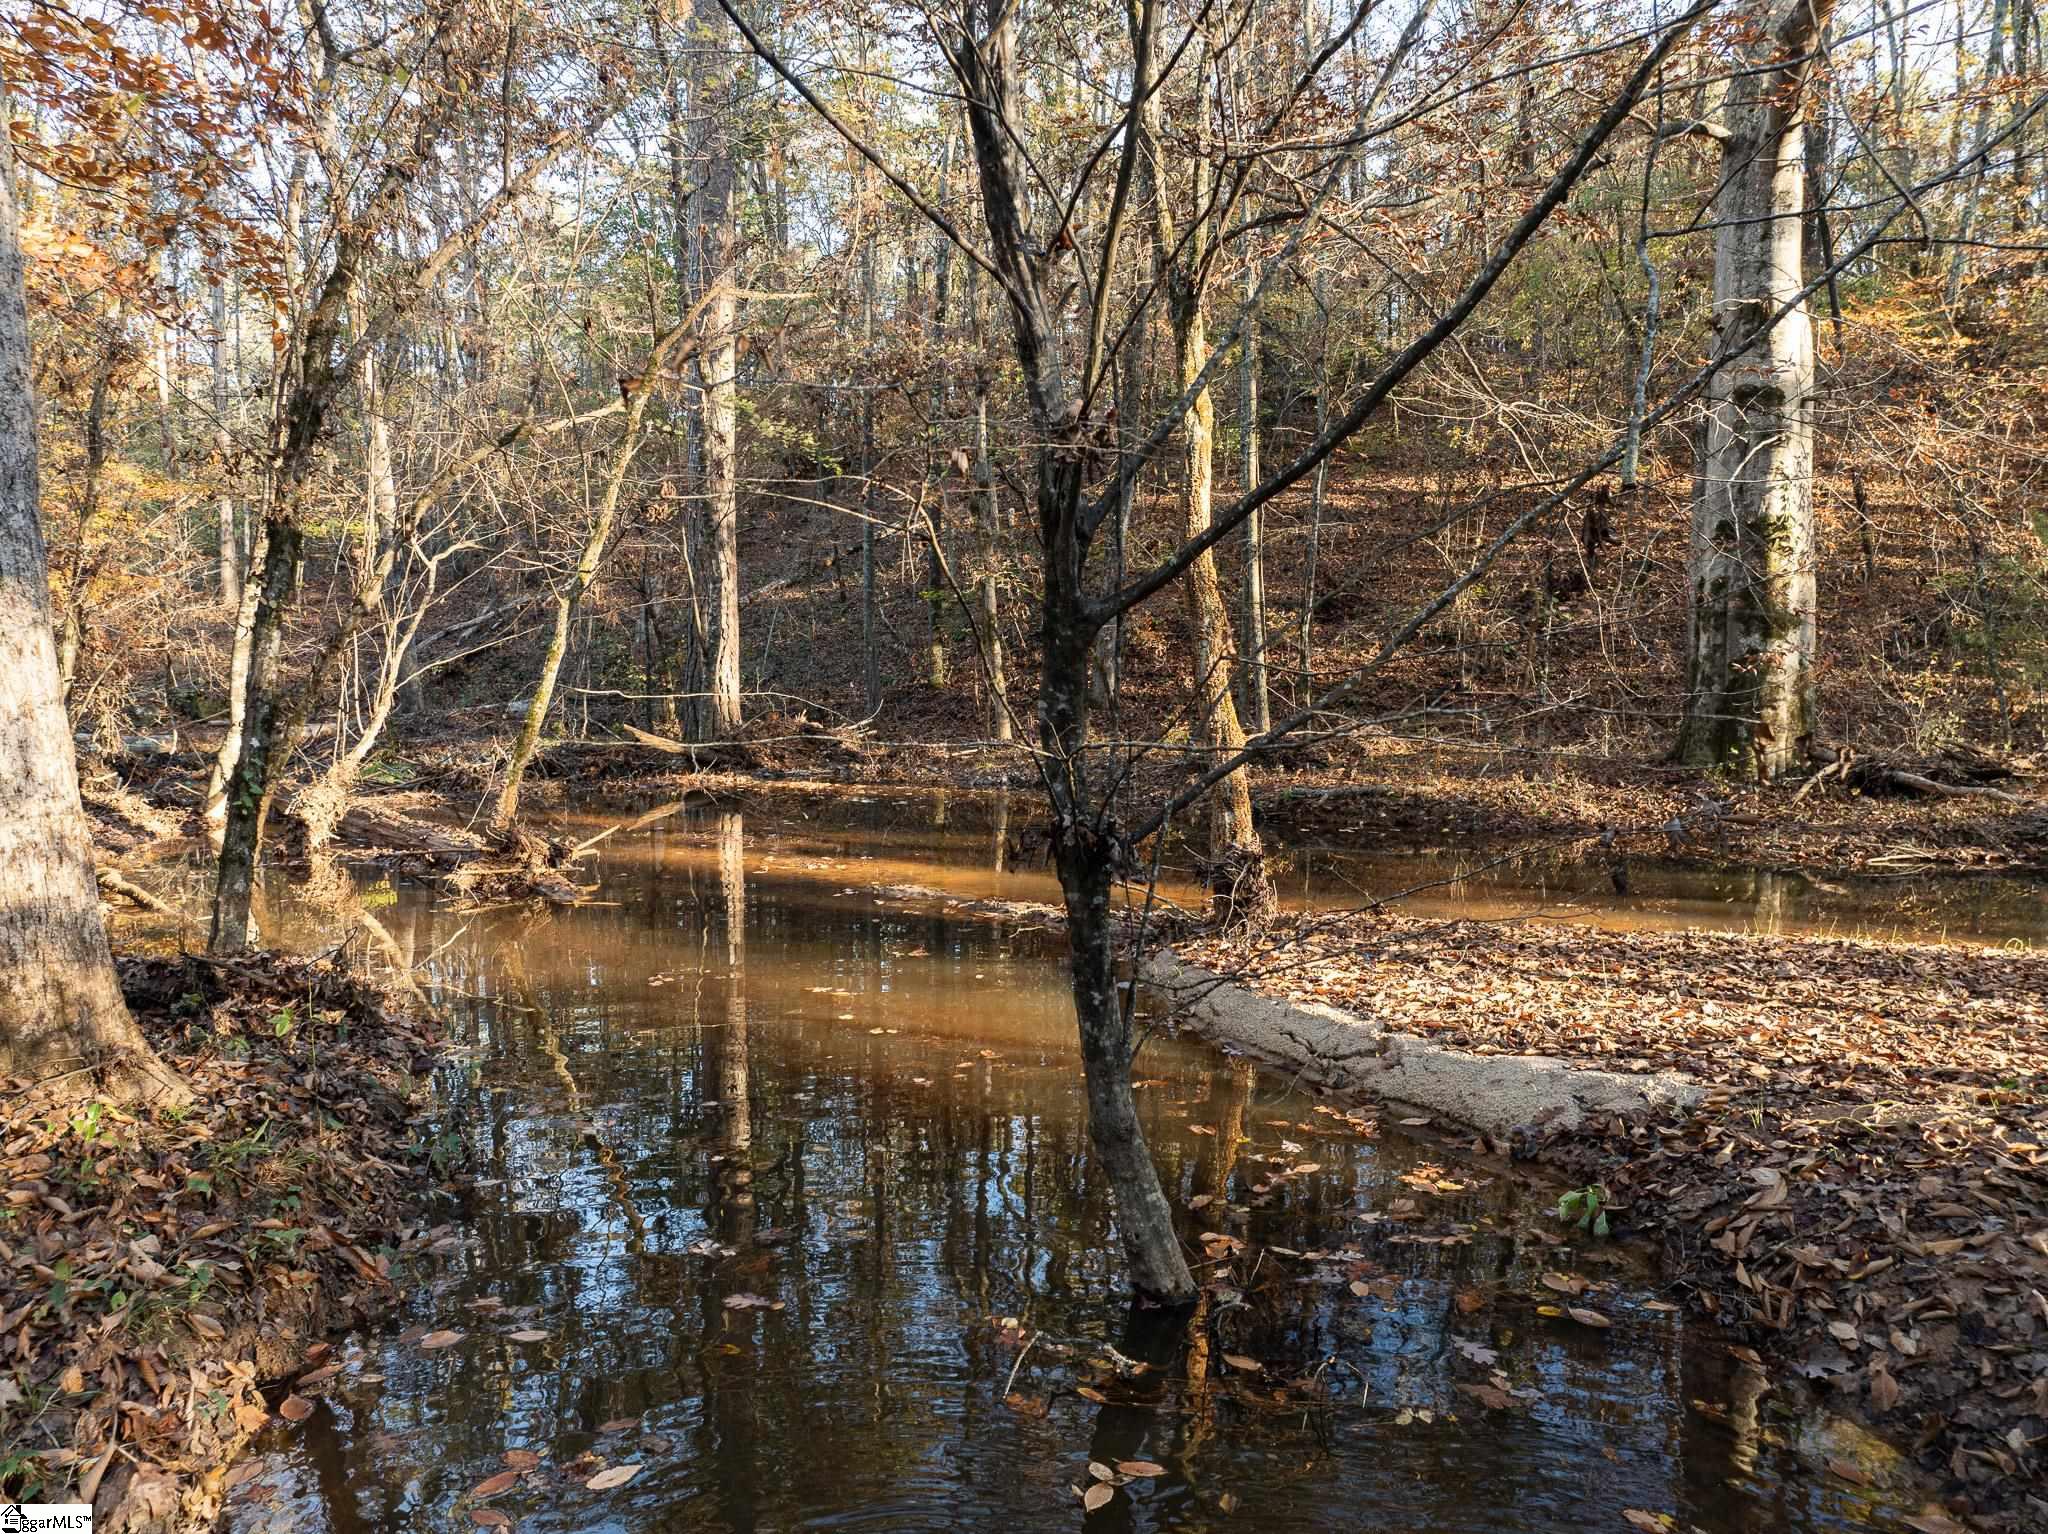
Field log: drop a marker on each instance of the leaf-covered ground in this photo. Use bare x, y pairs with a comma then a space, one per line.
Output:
1865, 1192
157, 1271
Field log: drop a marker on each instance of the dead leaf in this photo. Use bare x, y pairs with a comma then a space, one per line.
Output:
1097, 1496
521, 1459
489, 1518
528, 1335
1586, 1317
618, 1424
1239, 1361
1492, 1397
1139, 1467
295, 1408
1651, 1523
605, 1480
1932, 1520
443, 1339
489, 1487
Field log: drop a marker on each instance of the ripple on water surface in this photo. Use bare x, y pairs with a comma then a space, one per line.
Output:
754, 1170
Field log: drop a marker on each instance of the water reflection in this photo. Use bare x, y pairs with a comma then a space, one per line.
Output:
770, 1160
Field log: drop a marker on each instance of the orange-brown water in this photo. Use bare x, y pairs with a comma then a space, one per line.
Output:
745, 1075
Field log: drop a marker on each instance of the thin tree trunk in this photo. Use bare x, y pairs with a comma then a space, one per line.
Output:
1749, 703
223, 448
589, 561
991, 608
716, 99
1258, 698
61, 1009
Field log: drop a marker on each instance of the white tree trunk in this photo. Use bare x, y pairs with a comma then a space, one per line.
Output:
61, 1010
715, 99
1749, 695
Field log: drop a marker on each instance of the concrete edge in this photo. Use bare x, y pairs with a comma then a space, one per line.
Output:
1495, 1094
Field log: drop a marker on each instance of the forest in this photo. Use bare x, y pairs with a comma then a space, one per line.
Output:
1464, 579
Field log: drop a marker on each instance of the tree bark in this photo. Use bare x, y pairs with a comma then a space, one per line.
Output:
229, 532
1749, 697
1234, 850
716, 98
61, 1009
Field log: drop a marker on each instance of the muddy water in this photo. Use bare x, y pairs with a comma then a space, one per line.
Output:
751, 1165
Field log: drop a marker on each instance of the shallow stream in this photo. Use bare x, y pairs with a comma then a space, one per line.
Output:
770, 1163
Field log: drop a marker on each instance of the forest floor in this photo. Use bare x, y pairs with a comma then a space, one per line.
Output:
162, 1277
1863, 1194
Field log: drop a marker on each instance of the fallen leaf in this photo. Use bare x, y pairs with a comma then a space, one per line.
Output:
1139, 1467
489, 1487
319, 1376
1097, 1496
295, 1408
618, 1424
1239, 1361
521, 1459
1492, 1397
489, 1518
528, 1335
1587, 1317
1027, 1406
1652, 1523
1090, 1393
441, 1339
1932, 1520
605, 1480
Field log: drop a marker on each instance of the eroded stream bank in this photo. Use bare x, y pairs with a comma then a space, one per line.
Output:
776, 1188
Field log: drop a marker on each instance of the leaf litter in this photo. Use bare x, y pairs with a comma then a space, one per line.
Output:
208, 1249
1864, 1191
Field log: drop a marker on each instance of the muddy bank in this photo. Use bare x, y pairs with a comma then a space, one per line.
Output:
162, 1277
1367, 794
1842, 1147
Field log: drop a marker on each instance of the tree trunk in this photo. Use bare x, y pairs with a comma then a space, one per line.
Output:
1218, 731
991, 607
715, 100
588, 563
60, 1003
1236, 859
1257, 696
1749, 697
268, 725
223, 446
1085, 846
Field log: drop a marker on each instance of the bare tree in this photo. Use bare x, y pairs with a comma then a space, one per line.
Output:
1030, 242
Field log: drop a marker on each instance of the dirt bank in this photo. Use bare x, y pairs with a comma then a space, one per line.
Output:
1365, 794
1842, 1146
160, 1275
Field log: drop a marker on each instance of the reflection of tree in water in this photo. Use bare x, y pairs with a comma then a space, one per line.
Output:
733, 1215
